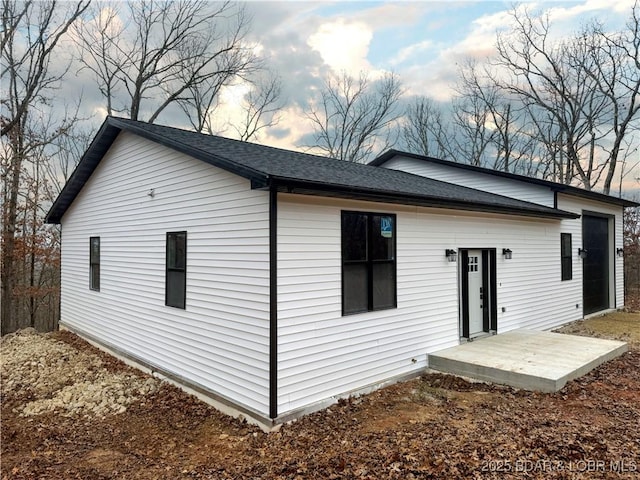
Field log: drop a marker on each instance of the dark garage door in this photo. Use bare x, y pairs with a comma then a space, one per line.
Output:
595, 268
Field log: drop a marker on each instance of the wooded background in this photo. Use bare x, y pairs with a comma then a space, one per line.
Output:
561, 108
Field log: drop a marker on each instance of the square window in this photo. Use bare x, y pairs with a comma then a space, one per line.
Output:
368, 262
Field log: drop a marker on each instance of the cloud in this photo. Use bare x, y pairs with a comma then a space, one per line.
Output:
290, 131
588, 8
397, 16
412, 50
424, 42
436, 77
343, 45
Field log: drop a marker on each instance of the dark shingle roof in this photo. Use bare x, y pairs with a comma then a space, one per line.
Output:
290, 171
553, 186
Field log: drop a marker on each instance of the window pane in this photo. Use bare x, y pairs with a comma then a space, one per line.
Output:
171, 250
95, 277
566, 258
176, 254
176, 269
565, 244
384, 285
176, 288
94, 253
94, 263
382, 238
354, 236
567, 272
354, 288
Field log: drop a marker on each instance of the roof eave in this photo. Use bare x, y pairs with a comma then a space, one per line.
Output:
553, 186
601, 197
288, 185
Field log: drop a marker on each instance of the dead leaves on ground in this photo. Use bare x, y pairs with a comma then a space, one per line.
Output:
438, 426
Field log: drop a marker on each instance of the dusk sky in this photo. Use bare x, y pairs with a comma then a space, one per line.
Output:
423, 42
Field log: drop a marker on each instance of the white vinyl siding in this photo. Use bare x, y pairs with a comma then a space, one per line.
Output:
322, 353
480, 181
221, 339
581, 205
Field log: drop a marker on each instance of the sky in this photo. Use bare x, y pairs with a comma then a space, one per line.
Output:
423, 42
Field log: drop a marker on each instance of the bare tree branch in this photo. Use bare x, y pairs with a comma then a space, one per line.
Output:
262, 105
169, 52
424, 130
354, 115
41, 32
615, 68
552, 79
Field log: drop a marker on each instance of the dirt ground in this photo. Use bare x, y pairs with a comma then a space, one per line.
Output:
437, 426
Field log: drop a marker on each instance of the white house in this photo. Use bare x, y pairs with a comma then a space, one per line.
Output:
274, 281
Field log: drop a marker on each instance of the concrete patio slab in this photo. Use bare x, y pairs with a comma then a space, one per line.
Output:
531, 360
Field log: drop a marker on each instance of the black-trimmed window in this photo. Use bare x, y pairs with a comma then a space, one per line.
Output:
94, 263
565, 256
368, 261
176, 274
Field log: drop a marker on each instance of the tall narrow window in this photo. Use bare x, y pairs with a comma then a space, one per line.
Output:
565, 256
94, 263
176, 275
368, 262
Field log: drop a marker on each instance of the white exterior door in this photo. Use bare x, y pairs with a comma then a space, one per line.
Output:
478, 300
474, 272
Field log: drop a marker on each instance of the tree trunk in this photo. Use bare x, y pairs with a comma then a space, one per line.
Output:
32, 253
8, 322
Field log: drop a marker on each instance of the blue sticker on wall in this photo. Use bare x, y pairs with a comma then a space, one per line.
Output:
386, 227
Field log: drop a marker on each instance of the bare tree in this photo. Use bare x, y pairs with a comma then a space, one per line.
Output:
354, 116
550, 152
64, 154
471, 122
425, 131
147, 55
261, 107
553, 81
631, 238
31, 71
628, 163
201, 102
26, 71
556, 109
616, 72
509, 147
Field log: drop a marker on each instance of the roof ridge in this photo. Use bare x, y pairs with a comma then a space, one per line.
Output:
227, 139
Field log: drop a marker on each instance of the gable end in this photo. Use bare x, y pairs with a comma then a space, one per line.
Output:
103, 140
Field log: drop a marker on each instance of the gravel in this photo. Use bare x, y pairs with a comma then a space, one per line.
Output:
56, 377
